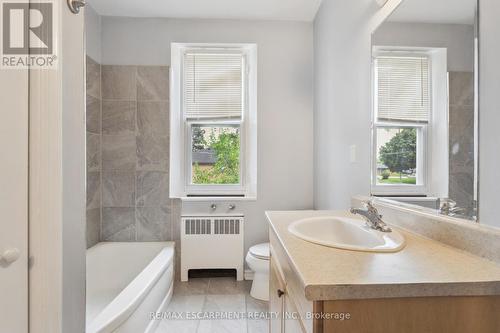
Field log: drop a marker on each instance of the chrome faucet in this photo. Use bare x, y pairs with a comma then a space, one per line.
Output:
449, 207
372, 217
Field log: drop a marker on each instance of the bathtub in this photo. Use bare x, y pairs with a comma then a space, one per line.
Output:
126, 282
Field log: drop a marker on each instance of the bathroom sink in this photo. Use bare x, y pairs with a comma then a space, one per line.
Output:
346, 233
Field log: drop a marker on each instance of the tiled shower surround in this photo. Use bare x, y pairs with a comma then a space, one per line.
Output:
461, 126
128, 154
93, 110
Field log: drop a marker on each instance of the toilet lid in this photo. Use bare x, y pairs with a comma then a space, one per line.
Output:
260, 251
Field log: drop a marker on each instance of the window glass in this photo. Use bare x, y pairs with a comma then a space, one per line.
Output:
396, 155
215, 154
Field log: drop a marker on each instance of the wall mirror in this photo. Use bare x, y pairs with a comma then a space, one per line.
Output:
425, 107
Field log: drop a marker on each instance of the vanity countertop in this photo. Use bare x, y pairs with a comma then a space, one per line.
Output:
424, 268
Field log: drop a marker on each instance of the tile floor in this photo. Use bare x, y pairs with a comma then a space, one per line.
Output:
214, 296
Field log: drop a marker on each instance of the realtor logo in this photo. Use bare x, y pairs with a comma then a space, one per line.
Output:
28, 34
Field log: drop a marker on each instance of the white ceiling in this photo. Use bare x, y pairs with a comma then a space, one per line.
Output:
296, 10
435, 11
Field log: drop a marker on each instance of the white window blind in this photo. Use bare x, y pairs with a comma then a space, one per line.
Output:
403, 88
213, 85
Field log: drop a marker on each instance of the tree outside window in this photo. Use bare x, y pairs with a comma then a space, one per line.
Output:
397, 157
216, 155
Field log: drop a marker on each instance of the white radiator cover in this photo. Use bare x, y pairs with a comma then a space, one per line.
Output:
212, 242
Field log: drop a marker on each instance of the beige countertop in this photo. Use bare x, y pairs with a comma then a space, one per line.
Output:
424, 268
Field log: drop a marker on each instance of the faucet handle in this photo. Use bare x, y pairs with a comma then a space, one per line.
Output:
372, 209
447, 203
369, 205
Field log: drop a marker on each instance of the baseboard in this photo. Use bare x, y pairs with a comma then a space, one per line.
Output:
248, 274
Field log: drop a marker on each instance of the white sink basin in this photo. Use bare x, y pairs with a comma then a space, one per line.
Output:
346, 233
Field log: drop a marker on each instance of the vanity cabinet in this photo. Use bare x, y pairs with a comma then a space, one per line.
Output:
292, 312
276, 299
281, 305
290, 309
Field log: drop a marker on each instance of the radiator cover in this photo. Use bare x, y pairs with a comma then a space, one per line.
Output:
212, 242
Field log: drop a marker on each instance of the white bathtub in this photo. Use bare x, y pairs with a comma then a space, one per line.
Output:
125, 283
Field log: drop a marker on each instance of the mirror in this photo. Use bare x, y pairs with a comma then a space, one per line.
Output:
425, 107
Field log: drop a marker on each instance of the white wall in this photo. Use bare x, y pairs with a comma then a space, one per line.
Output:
342, 108
285, 99
458, 39
489, 114
93, 30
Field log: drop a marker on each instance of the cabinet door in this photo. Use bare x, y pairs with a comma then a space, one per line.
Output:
276, 298
292, 323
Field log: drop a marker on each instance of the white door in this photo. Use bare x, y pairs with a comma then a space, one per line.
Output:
14, 201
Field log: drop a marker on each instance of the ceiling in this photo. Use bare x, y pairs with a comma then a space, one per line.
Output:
293, 10
435, 11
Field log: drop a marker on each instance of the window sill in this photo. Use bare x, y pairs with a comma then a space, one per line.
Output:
217, 198
399, 189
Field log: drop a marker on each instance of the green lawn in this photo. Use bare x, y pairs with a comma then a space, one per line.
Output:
397, 180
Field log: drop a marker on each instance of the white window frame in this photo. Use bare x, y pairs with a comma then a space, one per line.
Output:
423, 133
181, 128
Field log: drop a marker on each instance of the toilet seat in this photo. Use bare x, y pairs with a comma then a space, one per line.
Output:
260, 251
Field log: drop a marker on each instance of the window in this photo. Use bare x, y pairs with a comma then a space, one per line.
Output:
402, 114
216, 154
213, 120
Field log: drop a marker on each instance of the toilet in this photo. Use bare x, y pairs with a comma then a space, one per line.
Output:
258, 261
